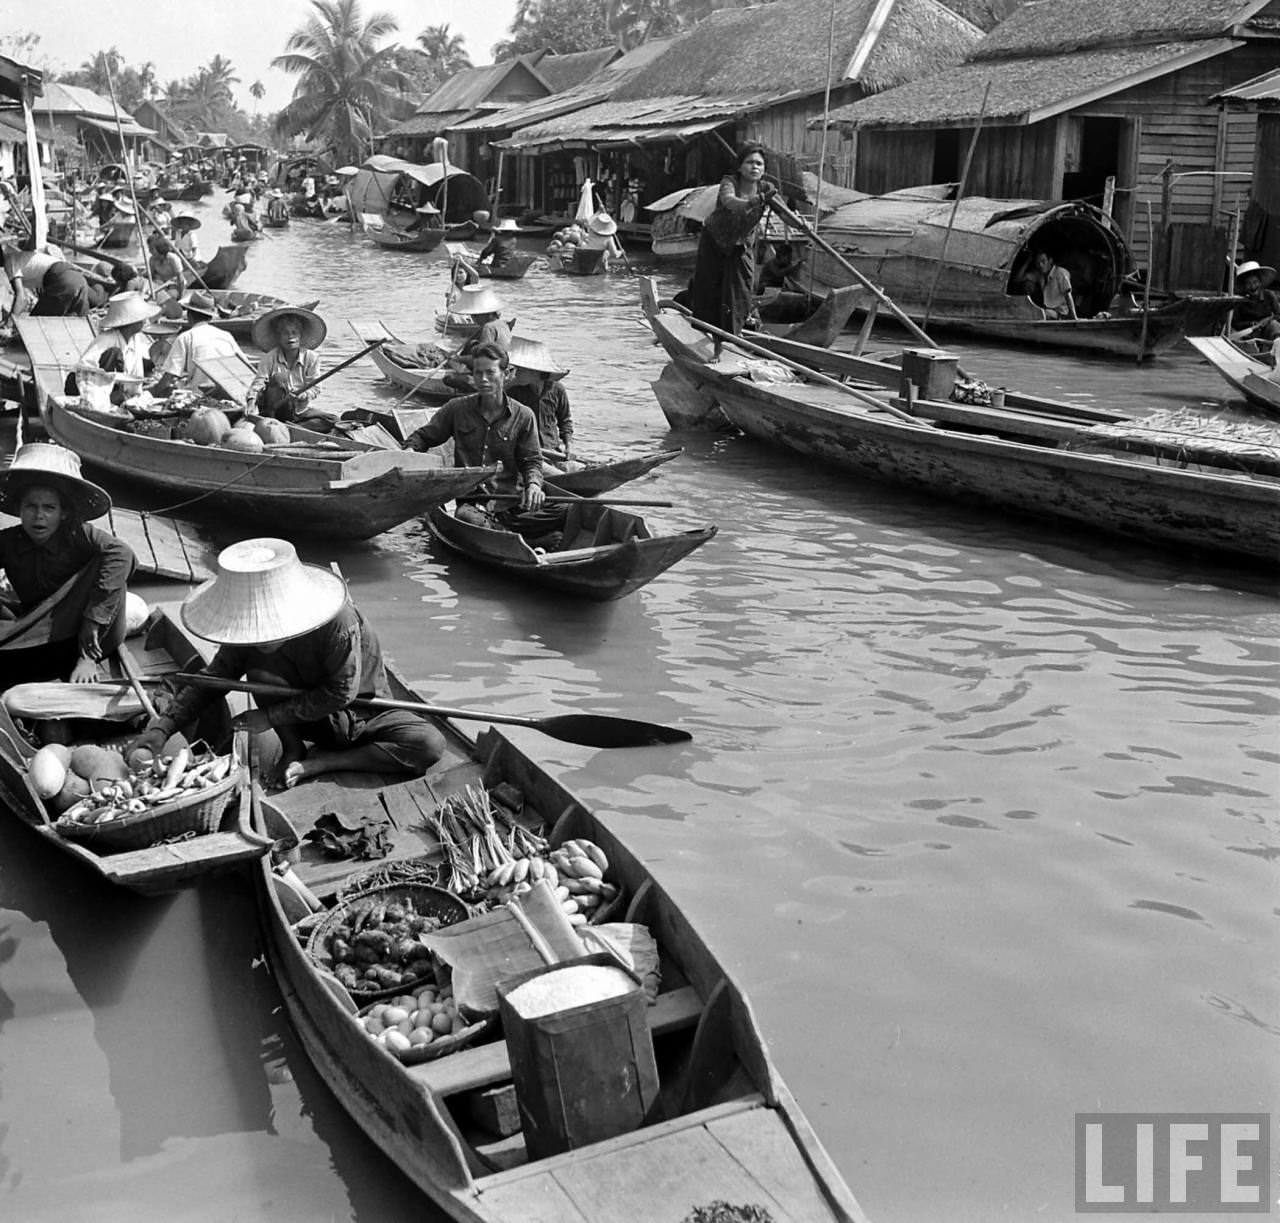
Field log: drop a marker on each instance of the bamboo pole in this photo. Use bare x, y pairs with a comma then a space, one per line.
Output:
128, 174
955, 206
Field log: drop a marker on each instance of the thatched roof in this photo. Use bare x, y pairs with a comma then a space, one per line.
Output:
562, 72
1056, 27
1022, 90
781, 48
469, 88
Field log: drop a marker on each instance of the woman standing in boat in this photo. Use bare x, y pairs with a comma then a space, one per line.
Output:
53, 556
725, 272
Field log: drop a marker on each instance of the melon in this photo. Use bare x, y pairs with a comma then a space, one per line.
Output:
48, 769
273, 432
95, 763
242, 439
73, 790
207, 425
136, 612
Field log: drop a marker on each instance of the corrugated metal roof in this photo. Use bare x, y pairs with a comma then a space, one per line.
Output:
1261, 89
1022, 91
469, 87
75, 100
109, 125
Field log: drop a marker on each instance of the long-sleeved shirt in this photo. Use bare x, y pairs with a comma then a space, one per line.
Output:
333, 664
511, 438
550, 404
296, 374
35, 571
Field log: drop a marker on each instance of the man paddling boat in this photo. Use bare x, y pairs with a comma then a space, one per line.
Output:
55, 547
278, 621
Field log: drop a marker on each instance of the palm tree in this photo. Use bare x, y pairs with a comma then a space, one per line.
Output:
445, 50
257, 91
348, 82
99, 72
633, 22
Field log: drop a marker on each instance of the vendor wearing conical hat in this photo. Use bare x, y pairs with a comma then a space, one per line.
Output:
121, 344
54, 554
279, 621
1258, 316
281, 387
536, 379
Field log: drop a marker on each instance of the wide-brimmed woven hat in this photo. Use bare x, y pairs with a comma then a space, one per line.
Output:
196, 302
535, 355
602, 223
313, 327
262, 592
476, 299
1264, 273
508, 226
123, 206
128, 307
45, 465
185, 222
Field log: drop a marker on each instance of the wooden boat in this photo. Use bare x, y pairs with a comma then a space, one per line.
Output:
597, 552
578, 262
408, 206
426, 382
1032, 457
725, 1127
240, 309
154, 869
1253, 378
423, 236
194, 189
116, 235
796, 317
223, 270
513, 269
602, 475
311, 486
970, 275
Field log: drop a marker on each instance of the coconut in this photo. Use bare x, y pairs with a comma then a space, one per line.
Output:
242, 439
272, 431
136, 612
207, 426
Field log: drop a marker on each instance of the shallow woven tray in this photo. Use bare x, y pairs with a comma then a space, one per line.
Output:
444, 1044
428, 901
200, 812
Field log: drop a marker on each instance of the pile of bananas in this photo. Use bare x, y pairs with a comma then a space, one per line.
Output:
575, 871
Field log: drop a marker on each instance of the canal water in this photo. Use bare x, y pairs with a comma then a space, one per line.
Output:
981, 814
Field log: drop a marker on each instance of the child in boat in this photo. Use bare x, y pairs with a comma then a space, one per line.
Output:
278, 621
290, 335
535, 379
1054, 281
54, 554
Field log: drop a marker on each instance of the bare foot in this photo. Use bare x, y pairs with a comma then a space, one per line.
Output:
295, 771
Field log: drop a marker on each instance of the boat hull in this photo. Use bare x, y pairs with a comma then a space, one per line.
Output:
600, 572
353, 498
1231, 516
425, 239
595, 478
752, 1139
1250, 377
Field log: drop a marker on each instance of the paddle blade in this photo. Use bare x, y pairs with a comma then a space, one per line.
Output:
594, 730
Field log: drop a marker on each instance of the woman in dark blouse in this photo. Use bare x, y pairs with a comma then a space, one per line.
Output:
725, 272
54, 551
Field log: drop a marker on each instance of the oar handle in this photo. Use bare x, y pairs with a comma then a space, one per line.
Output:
306, 386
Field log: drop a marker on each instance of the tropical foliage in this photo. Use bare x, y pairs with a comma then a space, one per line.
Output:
349, 82
561, 26
444, 51
107, 70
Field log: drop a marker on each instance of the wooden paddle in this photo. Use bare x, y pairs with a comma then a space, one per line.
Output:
585, 729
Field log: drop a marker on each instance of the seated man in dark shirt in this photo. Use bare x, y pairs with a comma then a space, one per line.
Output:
489, 427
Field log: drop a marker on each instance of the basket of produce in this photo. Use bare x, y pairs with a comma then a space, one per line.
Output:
419, 1027
113, 807
370, 943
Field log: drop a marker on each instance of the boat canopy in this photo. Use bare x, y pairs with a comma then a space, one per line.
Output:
990, 244
384, 182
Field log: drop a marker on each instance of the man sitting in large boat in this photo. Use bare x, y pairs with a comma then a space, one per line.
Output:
489, 427
280, 622
1052, 282
61, 569
199, 340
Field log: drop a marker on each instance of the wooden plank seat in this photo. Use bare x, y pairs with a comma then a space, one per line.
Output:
485, 1064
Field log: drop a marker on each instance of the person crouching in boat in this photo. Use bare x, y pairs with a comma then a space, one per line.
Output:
199, 340
534, 379
289, 335
121, 345
278, 621
54, 555
1258, 316
489, 427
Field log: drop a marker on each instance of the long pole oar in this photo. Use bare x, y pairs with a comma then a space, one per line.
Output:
804, 370
329, 373
128, 173
885, 300
585, 729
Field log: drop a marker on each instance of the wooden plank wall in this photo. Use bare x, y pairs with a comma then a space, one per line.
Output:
888, 161
785, 128
1266, 184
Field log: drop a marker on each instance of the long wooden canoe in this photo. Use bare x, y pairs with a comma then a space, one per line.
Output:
600, 552
239, 309
315, 486
725, 1127
1254, 379
1025, 458
965, 271
154, 869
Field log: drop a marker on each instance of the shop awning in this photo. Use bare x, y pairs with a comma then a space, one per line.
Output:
128, 126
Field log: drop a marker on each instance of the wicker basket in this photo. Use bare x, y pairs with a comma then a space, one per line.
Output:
442, 1045
428, 901
199, 812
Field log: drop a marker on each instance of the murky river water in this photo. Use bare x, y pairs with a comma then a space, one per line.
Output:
981, 814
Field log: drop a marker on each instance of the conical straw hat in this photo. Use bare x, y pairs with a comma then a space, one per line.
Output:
313, 327
45, 465
534, 355
128, 307
476, 299
262, 593
1266, 275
